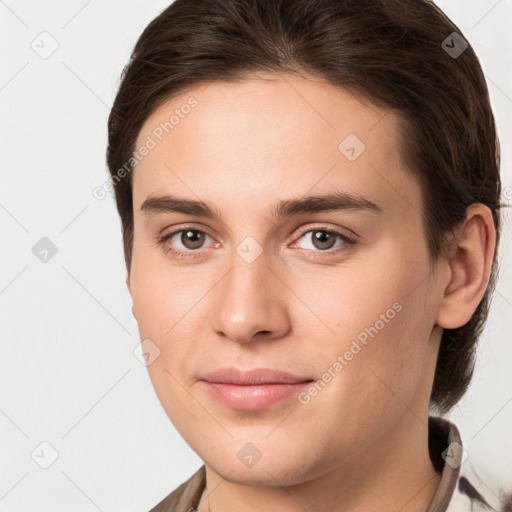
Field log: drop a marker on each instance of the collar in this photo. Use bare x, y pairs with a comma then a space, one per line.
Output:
460, 488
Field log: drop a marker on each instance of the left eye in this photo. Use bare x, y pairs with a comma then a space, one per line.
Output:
323, 239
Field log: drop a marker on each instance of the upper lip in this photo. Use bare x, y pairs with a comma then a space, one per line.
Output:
252, 377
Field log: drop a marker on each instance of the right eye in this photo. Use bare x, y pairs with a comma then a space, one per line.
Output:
190, 238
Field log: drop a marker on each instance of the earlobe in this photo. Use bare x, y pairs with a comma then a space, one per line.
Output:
470, 263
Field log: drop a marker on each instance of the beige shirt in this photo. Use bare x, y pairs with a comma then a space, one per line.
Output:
459, 490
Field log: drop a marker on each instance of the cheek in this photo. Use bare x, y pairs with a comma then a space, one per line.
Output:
171, 305
161, 294
380, 319
167, 309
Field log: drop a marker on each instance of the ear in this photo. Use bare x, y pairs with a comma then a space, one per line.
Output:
470, 260
130, 291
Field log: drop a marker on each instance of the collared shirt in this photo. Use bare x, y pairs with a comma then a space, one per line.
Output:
459, 490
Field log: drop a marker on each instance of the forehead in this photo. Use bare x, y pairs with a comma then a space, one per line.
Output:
253, 138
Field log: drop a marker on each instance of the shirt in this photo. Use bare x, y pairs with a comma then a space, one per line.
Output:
459, 490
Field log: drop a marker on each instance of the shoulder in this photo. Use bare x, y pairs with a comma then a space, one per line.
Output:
477, 491
464, 485
186, 496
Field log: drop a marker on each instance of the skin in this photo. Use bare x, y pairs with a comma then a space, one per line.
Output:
360, 444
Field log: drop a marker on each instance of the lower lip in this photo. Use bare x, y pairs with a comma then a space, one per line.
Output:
252, 398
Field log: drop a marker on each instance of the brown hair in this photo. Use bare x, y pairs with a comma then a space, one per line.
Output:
393, 53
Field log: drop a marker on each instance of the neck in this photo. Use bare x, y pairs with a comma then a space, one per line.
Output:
394, 472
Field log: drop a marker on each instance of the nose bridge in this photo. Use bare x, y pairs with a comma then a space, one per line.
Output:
247, 301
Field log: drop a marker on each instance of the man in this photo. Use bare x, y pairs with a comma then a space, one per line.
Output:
309, 195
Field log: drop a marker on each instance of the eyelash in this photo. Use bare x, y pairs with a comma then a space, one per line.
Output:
195, 253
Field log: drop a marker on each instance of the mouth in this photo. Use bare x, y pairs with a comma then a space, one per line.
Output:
252, 390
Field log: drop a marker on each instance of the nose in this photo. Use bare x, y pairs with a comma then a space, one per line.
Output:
251, 302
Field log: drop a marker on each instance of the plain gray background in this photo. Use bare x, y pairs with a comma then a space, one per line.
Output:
71, 387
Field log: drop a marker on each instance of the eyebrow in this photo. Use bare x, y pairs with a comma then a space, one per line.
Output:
336, 201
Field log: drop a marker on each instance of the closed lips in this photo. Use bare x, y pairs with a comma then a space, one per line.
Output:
254, 377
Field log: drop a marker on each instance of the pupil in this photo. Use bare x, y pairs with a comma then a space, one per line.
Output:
192, 239
323, 239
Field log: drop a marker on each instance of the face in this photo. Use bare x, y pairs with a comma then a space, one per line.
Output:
336, 292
